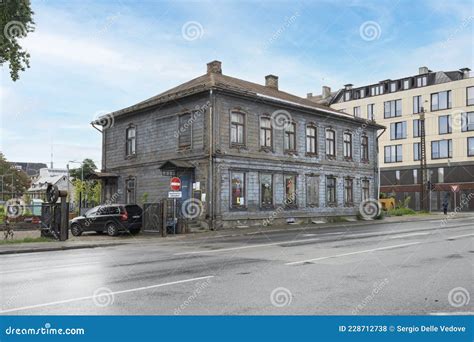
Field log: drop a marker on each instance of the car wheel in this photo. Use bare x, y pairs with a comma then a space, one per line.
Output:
112, 229
76, 230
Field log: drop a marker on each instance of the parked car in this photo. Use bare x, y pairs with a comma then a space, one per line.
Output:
111, 219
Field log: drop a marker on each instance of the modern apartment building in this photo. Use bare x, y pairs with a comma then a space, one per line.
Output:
447, 99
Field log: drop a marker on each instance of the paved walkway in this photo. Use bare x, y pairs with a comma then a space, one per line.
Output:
93, 240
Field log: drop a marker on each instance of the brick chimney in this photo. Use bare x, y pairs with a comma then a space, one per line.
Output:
271, 81
214, 67
326, 92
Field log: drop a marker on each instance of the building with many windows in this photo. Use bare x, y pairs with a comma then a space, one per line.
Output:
447, 99
246, 153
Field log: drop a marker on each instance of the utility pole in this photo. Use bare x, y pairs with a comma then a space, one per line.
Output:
423, 169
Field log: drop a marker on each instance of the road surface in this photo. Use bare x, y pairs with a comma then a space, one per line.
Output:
385, 268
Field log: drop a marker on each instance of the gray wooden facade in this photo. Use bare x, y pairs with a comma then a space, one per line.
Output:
206, 166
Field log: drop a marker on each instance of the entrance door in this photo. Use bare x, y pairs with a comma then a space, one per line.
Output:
186, 185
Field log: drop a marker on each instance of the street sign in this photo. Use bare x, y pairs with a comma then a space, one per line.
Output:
454, 188
175, 184
175, 194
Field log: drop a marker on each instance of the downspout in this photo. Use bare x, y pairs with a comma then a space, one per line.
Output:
210, 192
102, 191
378, 164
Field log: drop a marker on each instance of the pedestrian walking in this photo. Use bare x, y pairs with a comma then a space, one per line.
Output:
445, 204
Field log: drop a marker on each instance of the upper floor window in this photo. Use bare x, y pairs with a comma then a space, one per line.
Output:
362, 93
347, 96
398, 130
417, 104
347, 145
311, 140
470, 146
237, 128
364, 147
406, 84
416, 151
131, 141
357, 112
376, 90
467, 122
469, 96
393, 154
130, 191
416, 128
441, 149
330, 143
290, 137
266, 132
392, 108
237, 180
370, 111
422, 81
393, 87
441, 100
444, 124
184, 137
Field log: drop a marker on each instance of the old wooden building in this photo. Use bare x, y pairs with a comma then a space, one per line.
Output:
246, 153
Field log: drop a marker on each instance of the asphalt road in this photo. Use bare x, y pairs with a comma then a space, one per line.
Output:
410, 268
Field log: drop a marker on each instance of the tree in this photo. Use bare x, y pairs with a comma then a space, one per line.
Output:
16, 21
89, 168
13, 182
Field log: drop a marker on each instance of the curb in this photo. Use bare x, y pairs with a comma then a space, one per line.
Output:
59, 248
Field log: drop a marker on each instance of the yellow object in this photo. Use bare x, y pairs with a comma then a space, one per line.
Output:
387, 203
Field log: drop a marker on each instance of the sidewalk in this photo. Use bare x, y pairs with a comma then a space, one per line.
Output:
95, 241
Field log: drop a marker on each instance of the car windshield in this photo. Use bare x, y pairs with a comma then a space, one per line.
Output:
92, 211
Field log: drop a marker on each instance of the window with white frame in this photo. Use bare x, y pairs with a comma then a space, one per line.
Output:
441, 100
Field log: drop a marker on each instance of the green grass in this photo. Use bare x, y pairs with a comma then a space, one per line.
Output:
337, 219
25, 240
401, 212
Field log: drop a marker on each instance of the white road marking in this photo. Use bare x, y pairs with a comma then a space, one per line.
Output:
407, 235
50, 267
351, 253
458, 236
246, 247
456, 313
109, 294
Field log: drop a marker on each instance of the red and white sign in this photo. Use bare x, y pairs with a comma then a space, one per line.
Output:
175, 184
454, 188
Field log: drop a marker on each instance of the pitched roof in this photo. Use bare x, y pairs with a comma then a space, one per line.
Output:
217, 80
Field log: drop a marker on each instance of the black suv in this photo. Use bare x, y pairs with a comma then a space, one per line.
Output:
113, 218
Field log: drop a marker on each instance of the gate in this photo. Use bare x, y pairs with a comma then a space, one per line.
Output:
158, 217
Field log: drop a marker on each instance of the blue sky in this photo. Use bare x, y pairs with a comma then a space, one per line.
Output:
92, 57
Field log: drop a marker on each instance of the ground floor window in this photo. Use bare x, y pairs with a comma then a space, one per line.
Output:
365, 189
312, 191
130, 190
331, 190
348, 191
238, 189
290, 190
266, 190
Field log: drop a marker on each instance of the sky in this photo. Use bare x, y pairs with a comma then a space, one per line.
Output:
93, 57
